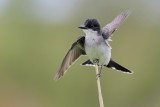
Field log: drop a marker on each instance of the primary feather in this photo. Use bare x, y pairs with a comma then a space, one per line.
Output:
109, 29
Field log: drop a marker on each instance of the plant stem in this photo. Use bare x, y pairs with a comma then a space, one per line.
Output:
99, 88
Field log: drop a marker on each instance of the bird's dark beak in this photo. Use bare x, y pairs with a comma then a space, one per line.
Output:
82, 27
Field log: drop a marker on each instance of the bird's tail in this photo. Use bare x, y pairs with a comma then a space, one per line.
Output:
112, 64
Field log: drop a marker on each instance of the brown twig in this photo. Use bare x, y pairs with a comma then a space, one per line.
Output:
99, 88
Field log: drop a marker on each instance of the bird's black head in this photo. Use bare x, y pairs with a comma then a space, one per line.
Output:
91, 24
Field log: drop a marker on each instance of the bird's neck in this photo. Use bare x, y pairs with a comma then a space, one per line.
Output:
91, 33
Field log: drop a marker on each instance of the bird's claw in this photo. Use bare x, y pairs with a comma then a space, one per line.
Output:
98, 75
96, 61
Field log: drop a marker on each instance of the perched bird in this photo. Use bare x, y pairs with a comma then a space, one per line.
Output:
95, 45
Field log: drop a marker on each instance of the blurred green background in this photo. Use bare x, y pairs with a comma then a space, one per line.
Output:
35, 35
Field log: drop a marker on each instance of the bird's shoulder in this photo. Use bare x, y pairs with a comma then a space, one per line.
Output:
79, 42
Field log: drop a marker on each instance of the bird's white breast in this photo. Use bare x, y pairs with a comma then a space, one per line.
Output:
96, 47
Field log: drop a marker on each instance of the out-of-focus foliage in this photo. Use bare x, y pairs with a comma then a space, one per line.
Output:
35, 35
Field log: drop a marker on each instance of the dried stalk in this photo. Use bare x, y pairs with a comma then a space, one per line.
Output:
99, 88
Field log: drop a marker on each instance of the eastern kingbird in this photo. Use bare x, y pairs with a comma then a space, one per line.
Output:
95, 45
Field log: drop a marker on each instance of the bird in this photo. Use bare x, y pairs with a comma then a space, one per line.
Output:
95, 45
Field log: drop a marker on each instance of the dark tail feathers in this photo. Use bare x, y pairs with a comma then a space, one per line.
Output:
112, 65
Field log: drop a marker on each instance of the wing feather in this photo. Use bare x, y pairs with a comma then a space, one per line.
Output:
76, 50
110, 28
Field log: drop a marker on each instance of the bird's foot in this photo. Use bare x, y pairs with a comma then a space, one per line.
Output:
96, 61
98, 75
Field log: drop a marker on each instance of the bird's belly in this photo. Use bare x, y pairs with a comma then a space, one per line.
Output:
99, 51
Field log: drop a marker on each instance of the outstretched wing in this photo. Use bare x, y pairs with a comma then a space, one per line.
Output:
76, 50
108, 30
